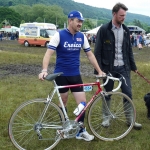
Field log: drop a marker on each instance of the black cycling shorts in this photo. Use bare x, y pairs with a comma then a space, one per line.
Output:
69, 80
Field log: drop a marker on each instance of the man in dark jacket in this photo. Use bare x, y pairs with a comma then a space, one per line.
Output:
114, 54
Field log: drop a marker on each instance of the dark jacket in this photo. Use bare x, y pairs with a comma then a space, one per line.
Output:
105, 49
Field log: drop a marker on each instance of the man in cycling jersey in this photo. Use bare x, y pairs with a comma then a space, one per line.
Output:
67, 44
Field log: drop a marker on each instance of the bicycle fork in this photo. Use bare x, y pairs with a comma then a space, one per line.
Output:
106, 105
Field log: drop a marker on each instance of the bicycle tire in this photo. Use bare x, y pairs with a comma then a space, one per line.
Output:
118, 126
24, 121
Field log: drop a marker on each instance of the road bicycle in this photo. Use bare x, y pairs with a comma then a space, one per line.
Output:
41, 124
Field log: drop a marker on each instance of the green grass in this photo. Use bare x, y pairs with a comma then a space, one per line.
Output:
16, 89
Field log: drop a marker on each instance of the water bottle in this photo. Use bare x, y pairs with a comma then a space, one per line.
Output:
80, 107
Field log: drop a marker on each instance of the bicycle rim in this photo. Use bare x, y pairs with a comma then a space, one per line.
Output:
118, 126
24, 122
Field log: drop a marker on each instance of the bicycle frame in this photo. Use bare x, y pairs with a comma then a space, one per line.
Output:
98, 91
56, 89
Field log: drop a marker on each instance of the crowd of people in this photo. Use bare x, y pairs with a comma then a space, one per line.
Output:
91, 38
138, 40
9, 35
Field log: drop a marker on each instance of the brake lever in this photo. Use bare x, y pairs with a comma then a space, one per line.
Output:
109, 74
123, 78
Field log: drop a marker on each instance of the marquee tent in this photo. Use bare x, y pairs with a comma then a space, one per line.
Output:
10, 29
93, 31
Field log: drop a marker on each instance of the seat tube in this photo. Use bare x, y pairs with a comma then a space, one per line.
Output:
61, 102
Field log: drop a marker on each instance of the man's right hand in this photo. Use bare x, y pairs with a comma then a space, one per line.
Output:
42, 75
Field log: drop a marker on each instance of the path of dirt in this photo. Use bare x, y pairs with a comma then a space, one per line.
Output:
25, 69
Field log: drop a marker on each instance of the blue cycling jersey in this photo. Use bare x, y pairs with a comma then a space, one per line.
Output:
68, 49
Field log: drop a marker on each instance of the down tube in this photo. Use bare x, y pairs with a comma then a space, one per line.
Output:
94, 96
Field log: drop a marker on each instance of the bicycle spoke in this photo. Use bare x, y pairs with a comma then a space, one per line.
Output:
27, 133
111, 124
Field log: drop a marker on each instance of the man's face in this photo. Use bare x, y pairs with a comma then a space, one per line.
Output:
119, 17
76, 24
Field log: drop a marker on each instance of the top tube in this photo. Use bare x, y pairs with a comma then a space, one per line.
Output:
51, 77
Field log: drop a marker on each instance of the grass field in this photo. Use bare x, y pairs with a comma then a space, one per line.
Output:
19, 68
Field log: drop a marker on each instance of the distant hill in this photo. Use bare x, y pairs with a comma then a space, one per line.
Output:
88, 11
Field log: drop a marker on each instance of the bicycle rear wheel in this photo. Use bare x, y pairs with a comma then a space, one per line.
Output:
26, 131
120, 117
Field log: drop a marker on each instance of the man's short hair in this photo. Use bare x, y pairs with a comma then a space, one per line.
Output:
118, 6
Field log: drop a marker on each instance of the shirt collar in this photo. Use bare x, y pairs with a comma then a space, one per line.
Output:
114, 27
70, 32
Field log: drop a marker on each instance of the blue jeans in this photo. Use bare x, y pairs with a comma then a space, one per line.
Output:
126, 89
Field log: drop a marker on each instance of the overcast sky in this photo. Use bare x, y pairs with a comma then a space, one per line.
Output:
134, 6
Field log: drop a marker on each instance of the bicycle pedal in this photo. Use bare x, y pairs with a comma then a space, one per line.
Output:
40, 137
81, 124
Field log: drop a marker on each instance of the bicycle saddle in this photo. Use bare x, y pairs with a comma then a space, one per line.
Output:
51, 77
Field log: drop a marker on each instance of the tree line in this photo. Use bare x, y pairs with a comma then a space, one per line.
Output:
88, 11
15, 15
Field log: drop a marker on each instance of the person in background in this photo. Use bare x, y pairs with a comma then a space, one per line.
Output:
138, 36
113, 52
135, 40
89, 39
140, 46
1, 36
67, 44
16, 35
132, 39
94, 39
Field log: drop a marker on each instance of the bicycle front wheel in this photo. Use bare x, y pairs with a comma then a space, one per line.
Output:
111, 120
28, 130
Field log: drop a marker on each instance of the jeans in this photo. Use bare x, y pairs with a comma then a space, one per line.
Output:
126, 85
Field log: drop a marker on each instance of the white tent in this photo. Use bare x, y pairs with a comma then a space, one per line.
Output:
93, 31
148, 34
11, 29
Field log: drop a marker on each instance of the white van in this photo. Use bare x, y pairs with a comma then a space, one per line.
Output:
38, 34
